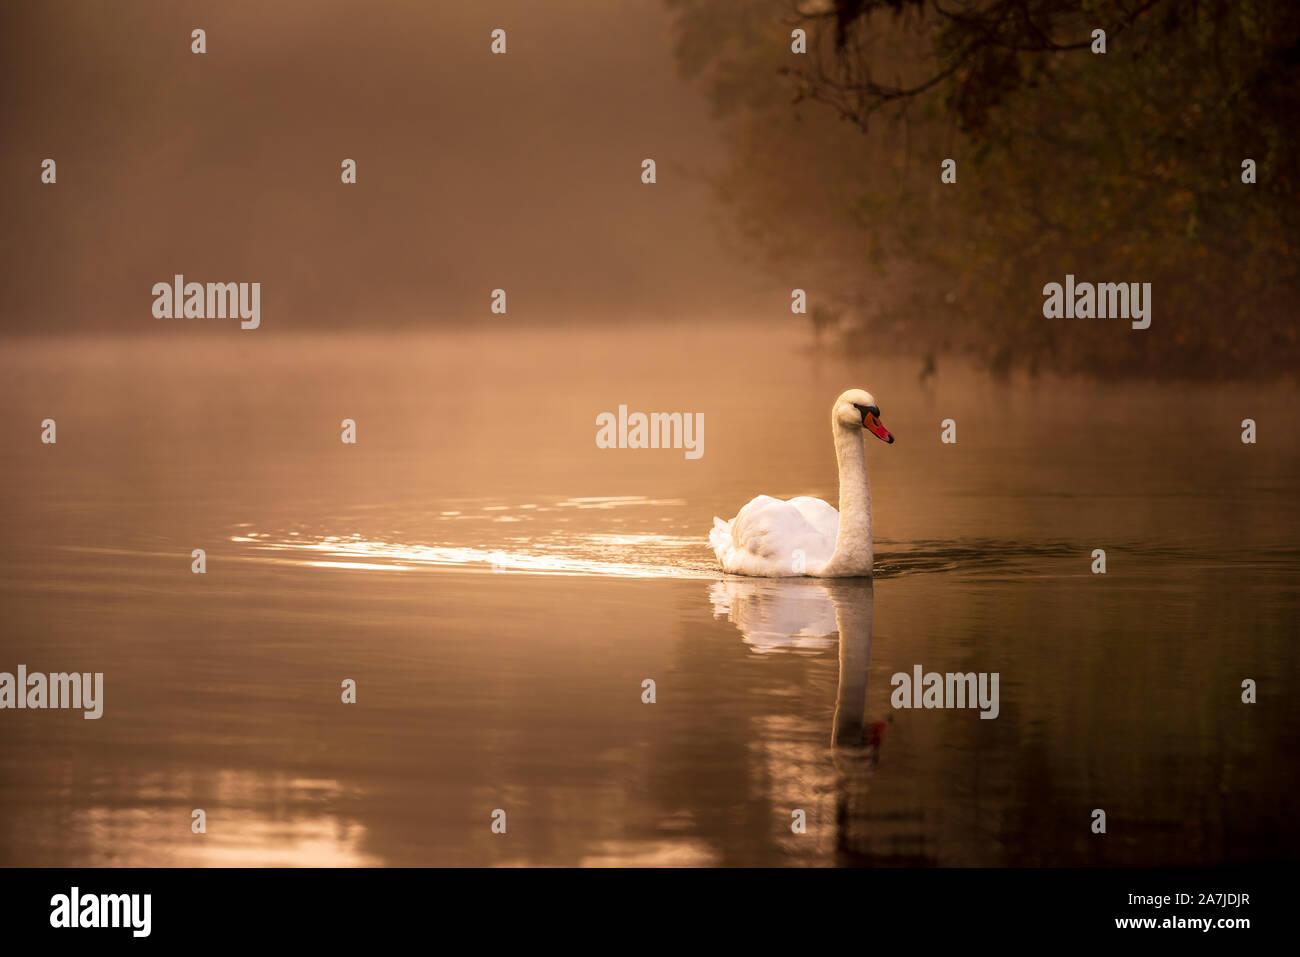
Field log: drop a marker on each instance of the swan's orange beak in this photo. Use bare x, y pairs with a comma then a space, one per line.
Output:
872, 422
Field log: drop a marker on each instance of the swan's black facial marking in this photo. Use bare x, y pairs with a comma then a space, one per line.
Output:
865, 409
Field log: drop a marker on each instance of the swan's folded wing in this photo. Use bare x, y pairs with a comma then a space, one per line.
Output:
819, 514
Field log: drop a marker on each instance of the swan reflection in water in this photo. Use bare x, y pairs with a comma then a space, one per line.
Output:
803, 616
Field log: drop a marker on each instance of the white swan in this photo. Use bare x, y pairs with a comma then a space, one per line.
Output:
772, 538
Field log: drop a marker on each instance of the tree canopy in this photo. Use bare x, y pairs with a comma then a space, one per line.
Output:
1119, 166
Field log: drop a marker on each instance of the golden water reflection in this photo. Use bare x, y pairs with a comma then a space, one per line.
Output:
252, 820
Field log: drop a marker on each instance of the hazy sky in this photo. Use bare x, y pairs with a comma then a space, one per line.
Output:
475, 171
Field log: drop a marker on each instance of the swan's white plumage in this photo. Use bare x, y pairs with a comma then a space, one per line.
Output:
772, 538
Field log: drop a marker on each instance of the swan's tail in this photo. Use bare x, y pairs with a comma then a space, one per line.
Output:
720, 537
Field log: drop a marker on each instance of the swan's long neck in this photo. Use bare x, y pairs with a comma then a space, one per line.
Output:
853, 551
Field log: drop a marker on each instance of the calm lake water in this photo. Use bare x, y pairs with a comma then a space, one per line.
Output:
499, 588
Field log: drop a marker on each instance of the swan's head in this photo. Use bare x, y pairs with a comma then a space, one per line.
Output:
857, 409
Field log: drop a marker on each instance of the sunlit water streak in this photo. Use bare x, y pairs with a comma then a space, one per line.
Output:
362, 554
